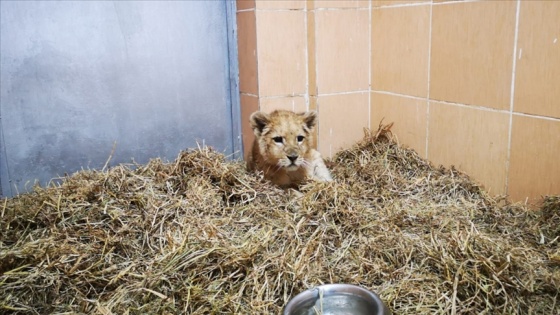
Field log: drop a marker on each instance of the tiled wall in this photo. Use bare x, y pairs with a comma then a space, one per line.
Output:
475, 84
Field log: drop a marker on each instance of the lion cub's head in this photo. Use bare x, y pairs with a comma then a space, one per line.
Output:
284, 138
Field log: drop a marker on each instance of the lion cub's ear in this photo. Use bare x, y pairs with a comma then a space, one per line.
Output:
310, 118
258, 121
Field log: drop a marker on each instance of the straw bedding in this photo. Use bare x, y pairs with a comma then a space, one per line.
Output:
202, 236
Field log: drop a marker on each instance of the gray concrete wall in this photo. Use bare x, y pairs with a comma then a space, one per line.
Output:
78, 76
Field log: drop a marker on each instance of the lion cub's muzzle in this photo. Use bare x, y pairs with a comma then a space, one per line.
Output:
292, 160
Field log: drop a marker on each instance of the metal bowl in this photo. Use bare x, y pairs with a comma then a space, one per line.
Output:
336, 299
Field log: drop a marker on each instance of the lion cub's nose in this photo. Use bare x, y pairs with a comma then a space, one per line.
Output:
292, 158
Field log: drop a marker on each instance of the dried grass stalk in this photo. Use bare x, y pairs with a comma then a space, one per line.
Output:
202, 236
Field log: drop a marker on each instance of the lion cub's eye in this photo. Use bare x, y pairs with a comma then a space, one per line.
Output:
300, 138
278, 139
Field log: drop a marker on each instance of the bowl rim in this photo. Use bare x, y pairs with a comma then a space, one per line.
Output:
345, 288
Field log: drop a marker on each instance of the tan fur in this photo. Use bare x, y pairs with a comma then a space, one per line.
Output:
284, 159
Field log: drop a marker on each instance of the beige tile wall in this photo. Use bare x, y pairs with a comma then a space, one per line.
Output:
400, 51
282, 58
472, 52
342, 118
474, 84
342, 50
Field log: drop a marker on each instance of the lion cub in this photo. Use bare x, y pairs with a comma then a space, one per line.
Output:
282, 149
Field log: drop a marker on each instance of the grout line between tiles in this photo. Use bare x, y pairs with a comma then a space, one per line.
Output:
305, 21
315, 61
245, 10
344, 93
401, 95
506, 111
283, 96
279, 10
402, 5
477, 107
323, 9
512, 94
557, 119
248, 94
429, 81
342, 9
370, 40
455, 2
316, 80
257, 59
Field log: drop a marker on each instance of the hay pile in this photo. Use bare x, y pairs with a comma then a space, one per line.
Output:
202, 236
